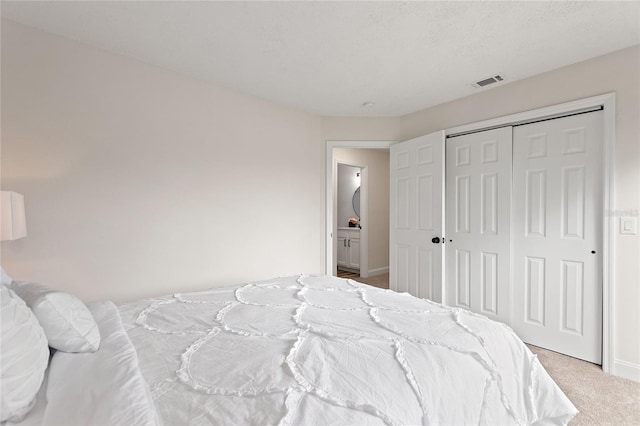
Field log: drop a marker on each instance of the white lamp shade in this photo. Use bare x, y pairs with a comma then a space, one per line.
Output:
12, 220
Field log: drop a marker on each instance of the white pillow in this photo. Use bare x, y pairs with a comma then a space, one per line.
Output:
6, 279
24, 356
67, 322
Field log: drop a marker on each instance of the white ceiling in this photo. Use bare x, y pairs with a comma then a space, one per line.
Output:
331, 57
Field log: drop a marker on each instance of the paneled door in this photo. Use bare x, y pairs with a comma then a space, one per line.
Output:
478, 191
416, 210
557, 237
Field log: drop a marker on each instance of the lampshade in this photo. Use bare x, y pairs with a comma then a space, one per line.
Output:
13, 224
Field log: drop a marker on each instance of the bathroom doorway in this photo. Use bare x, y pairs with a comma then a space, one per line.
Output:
371, 224
349, 220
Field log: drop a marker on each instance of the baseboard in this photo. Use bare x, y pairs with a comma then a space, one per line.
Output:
625, 369
378, 271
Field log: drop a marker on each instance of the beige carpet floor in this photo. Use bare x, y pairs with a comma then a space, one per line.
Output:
602, 399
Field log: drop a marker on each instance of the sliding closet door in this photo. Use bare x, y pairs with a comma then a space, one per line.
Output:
478, 189
416, 198
557, 238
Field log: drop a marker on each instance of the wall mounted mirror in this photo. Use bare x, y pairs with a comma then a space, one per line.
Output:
356, 202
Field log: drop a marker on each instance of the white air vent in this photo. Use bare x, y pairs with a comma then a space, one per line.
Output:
487, 81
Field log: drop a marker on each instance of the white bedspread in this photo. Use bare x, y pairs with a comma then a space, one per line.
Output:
322, 350
101, 388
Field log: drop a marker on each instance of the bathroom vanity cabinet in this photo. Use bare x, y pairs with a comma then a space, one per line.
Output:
348, 249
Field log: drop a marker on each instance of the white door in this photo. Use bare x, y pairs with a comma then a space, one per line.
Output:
354, 253
478, 197
416, 216
342, 251
557, 239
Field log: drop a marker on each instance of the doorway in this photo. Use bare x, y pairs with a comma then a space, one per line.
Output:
349, 220
373, 230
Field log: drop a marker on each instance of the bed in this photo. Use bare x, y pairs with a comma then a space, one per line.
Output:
298, 350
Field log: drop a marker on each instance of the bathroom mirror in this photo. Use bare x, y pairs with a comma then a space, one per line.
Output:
356, 202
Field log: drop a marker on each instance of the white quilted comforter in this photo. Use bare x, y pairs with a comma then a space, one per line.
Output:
322, 350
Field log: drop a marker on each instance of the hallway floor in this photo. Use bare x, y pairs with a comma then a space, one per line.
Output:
380, 281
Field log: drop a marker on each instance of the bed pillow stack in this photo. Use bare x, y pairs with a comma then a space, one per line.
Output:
35, 318
24, 357
6, 279
67, 322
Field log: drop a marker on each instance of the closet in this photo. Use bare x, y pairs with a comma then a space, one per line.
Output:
523, 232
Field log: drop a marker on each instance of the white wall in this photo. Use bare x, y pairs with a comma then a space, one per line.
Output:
347, 185
377, 163
139, 182
361, 128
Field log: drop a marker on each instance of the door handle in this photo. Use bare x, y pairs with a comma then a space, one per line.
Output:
349, 243
435, 240
344, 243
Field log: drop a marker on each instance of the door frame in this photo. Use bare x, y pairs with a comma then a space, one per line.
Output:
608, 103
364, 214
331, 226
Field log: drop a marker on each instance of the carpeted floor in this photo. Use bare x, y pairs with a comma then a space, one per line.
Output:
602, 399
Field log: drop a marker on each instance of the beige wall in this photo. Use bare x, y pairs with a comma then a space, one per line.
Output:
616, 72
377, 163
361, 128
139, 182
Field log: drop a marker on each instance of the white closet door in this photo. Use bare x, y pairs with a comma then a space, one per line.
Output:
557, 235
478, 182
416, 210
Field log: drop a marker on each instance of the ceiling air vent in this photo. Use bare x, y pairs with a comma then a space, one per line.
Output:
487, 81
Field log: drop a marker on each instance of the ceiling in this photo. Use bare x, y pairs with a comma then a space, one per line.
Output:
330, 58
